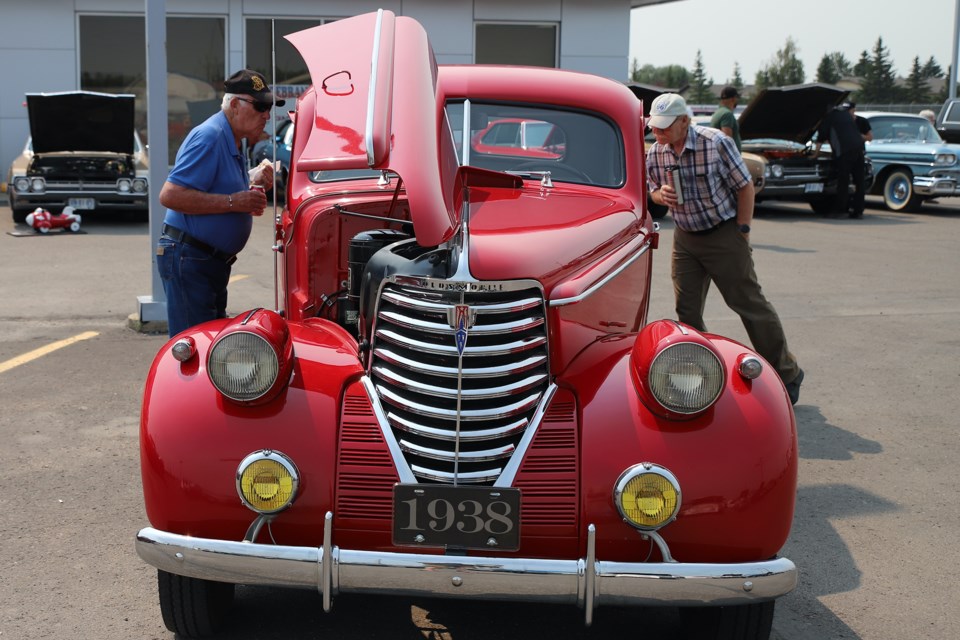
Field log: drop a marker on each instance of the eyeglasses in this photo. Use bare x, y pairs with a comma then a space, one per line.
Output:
259, 107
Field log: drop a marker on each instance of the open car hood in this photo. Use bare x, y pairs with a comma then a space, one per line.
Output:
81, 121
380, 112
789, 113
647, 93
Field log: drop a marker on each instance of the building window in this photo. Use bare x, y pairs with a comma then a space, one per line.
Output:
291, 69
113, 60
526, 44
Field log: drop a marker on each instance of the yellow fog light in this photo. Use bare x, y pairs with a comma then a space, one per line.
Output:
647, 496
267, 481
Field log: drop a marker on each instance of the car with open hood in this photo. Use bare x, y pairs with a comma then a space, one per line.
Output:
83, 152
780, 124
456, 391
911, 160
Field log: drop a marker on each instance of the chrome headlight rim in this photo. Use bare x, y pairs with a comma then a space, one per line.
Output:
139, 185
21, 184
674, 407
124, 185
636, 471
214, 368
269, 455
38, 185
945, 159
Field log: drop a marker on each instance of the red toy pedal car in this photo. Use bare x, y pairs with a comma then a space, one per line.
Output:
43, 221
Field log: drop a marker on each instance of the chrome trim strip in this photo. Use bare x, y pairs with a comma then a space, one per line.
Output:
326, 564
489, 578
503, 411
450, 435
372, 91
607, 278
450, 372
399, 462
451, 351
462, 477
590, 575
442, 308
471, 456
510, 471
444, 328
418, 387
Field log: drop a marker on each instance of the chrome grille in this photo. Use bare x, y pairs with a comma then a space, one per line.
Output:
427, 388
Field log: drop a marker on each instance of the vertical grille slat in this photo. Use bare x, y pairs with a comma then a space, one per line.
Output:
490, 386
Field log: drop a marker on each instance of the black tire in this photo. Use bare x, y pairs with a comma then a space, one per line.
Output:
193, 608
742, 622
823, 206
898, 193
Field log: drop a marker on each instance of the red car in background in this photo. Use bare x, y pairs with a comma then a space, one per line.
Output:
461, 394
528, 138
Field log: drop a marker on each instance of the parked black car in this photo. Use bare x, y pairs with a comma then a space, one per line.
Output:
780, 124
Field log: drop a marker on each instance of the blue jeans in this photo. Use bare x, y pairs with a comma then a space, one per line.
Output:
194, 282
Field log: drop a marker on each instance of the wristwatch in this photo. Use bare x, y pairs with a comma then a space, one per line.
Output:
744, 228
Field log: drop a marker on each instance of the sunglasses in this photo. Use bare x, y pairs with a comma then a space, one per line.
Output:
259, 107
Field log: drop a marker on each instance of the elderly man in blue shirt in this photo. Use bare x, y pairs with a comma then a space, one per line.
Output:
210, 204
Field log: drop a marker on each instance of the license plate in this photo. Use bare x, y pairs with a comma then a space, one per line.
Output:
462, 517
81, 203
813, 187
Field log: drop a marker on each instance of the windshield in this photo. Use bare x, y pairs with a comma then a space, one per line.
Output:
903, 129
527, 140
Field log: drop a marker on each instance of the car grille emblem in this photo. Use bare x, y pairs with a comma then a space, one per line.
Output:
461, 317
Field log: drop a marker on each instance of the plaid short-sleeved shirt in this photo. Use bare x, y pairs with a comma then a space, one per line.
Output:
711, 173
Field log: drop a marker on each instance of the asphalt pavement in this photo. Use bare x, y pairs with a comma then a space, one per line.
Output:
871, 309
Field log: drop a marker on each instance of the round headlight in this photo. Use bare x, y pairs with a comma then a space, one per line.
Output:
123, 185
21, 184
243, 366
686, 377
647, 496
37, 184
267, 481
139, 185
776, 170
946, 159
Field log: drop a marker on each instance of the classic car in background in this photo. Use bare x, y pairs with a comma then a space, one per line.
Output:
83, 152
779, 124
910, 159
948, 121
280, 145
461, 395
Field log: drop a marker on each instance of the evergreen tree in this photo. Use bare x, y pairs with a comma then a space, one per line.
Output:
826, 71
879, 83
785, 68
931, 69
700, 85
833, 67
863, 65
737, 79
916, 90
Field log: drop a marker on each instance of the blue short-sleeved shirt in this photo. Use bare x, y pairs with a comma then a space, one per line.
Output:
209, 161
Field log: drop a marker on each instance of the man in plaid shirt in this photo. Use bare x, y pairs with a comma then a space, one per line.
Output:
699, 175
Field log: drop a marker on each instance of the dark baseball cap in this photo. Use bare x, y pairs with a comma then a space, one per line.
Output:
729, 92
253, 84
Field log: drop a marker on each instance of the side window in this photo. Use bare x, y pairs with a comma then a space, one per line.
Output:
953, 113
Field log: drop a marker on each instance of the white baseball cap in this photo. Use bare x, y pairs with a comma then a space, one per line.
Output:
665, 109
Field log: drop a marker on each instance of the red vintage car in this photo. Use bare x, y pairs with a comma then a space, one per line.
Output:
461, 395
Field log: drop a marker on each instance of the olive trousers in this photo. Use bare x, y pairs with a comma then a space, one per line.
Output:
723, 255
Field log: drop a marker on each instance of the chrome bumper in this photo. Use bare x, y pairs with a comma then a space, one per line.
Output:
930, 186
586, 582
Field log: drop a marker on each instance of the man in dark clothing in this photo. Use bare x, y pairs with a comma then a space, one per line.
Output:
840, 129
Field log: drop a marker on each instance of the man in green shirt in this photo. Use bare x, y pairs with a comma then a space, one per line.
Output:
723, 117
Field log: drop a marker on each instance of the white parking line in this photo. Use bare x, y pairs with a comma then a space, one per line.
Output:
42, 351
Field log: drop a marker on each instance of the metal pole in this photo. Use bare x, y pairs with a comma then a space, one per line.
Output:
956, 48
153, 308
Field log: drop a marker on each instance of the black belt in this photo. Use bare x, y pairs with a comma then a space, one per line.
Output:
703, 232
182, 236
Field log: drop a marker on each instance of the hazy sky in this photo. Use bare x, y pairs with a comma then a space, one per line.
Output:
750, 32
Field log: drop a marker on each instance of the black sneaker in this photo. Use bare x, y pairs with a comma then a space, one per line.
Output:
793, 389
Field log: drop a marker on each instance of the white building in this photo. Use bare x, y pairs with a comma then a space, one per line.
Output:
99, 45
